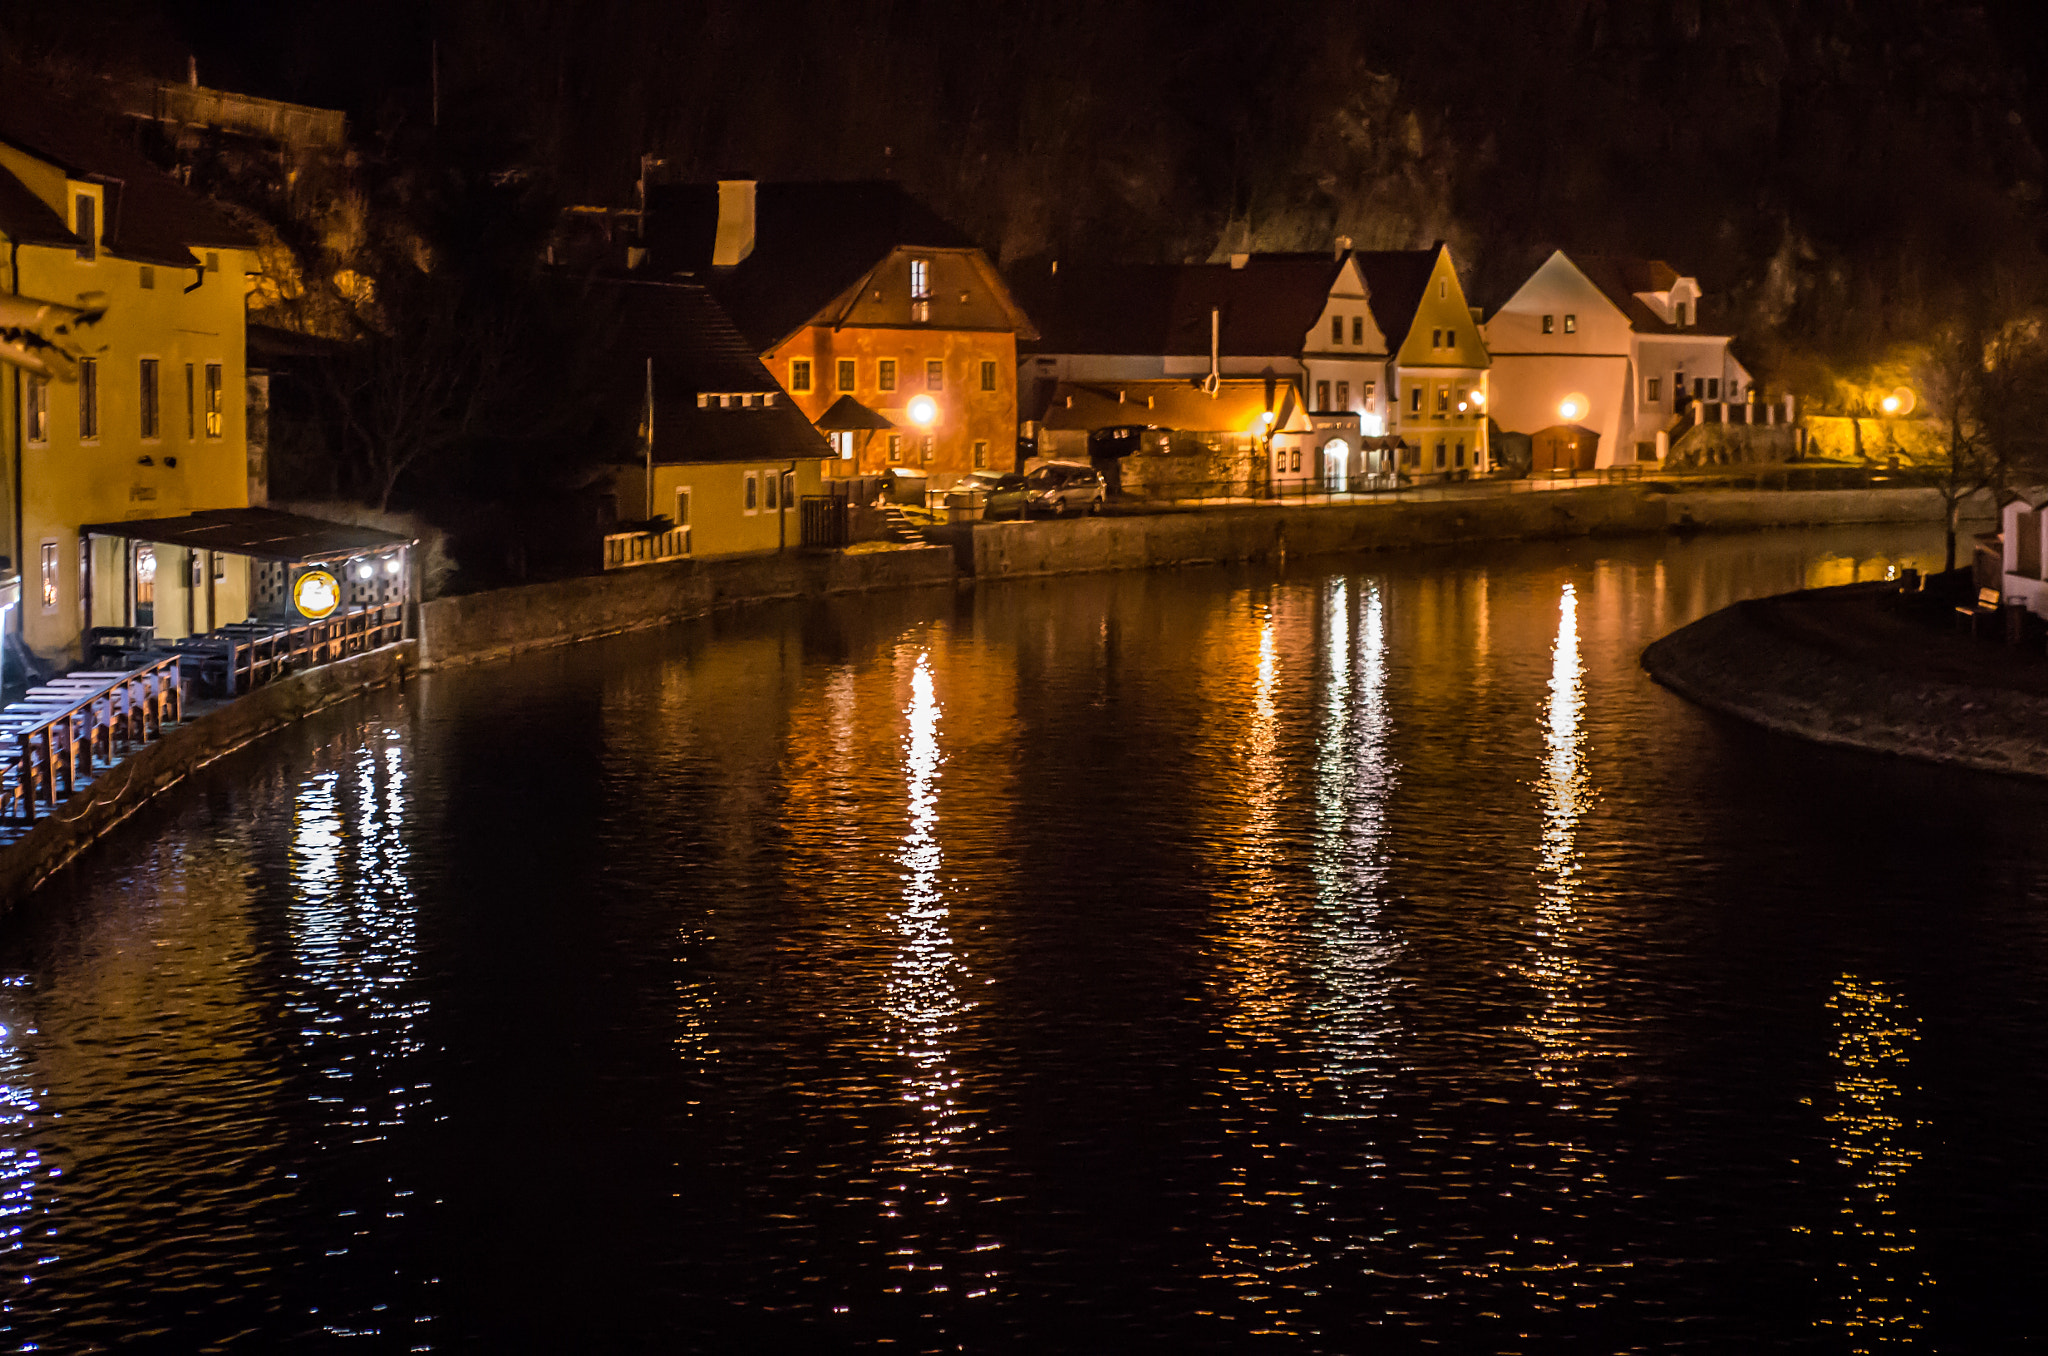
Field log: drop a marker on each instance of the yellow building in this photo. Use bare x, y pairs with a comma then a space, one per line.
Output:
858, 290
125, 400
1438, 363
731, 456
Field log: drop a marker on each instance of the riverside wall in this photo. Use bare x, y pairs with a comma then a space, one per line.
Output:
1262, 532
148, 771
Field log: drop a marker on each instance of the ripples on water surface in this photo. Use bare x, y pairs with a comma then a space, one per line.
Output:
1351, 959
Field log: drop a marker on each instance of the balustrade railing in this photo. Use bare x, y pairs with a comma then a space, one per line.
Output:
98, 716
622, 549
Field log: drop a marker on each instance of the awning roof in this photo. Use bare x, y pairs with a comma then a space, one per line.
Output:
848, 415
266, 534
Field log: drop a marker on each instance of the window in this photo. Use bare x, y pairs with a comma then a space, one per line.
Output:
800, 375
1699, 388
988, 376
1294, 460
842, 445
216, 402
1713, 388
1358, 329
1550, 324
1343, 395
86, 211
1443, 288
1365, 391
151, 423
145, 585
1322, 395
1443, 400
39, 409
770, 487
682, 518
49, 577
1439, 454
1458, 456
1650, 390
935, 375
191, 407
88, 397
846, 374
148, 276
895, 447
1571, 324
1336, 329
213, 261
788, 479
1678, 388
753, 491
1436, 338
220, 564
925, 450
885, 374
1684, 315
1415, 399
921, 280
981, 456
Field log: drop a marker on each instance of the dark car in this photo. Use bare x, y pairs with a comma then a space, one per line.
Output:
1003, 493
1062, 487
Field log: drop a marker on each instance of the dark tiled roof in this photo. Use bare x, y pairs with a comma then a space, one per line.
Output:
27, 219
1268, 306
812, 241
696, 348
1620, 278
1395, 281
150, 216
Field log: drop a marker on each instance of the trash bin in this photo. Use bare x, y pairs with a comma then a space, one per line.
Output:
2015, 622
966, 506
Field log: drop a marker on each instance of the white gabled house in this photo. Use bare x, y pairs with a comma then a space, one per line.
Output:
1614, 345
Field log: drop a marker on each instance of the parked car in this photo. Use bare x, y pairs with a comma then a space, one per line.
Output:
1062, 487
1003, 493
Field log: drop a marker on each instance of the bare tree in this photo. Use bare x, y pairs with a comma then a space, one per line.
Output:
1953, 387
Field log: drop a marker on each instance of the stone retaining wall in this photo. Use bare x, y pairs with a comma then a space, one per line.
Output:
148, 771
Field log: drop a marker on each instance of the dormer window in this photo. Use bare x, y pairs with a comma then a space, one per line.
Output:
1550, 324
1684, 315
920, 289
85, 215
1571, 324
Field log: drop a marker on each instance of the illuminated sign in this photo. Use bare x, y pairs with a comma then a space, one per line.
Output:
316, 593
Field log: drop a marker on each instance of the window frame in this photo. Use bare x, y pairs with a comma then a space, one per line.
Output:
216, 401
1651, 387
885, 374
36, 412
89, 400
750, 502
1336, 329
52, 580
847, 374
1571, 322
895, 449
981, 454
149, 398
800, 375
1358, 330
191, 402
934, 374
988, 374
1415, 398
1550, 324
920, 279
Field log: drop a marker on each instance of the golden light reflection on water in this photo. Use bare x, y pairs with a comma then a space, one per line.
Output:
23, 1245
1565, 791
924, 1007
1881, 1300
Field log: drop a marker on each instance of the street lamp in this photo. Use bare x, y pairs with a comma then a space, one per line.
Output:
924, 411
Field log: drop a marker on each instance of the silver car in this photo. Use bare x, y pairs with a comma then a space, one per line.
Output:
1063, 487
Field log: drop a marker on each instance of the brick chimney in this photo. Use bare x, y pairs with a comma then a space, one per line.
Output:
735, 238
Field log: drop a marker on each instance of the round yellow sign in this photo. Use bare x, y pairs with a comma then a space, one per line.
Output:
316, 594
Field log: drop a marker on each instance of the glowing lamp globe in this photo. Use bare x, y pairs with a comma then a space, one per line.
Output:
924, 411
1570, 409
1891, 404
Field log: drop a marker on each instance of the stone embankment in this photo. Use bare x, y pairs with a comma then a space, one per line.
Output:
1862, 667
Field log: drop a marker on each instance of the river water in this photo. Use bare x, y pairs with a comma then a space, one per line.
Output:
1360, 957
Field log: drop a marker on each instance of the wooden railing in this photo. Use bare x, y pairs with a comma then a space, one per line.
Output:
825, 520
98, 715
645, 548
234, 659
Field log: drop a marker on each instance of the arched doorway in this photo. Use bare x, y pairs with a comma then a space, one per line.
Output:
1336, 465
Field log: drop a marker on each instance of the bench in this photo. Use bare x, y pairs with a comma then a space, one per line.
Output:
1985, 606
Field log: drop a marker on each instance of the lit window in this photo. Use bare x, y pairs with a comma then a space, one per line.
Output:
920, 280
1343, 395
988, 376
800, 375
86, 226
885, 374
1365, 392
1443, 400
753, 491
846, 374
981, 456
1336, 329
216, 402
1571, 324
88, 397
842, 443
1358, 329
49, 576
935, 375
149, 403
895, 447
1650, 390
703, 403
926, 449
39, 409
1415, 399
1550, 324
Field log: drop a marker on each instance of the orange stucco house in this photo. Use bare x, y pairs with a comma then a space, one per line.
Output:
886, 325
